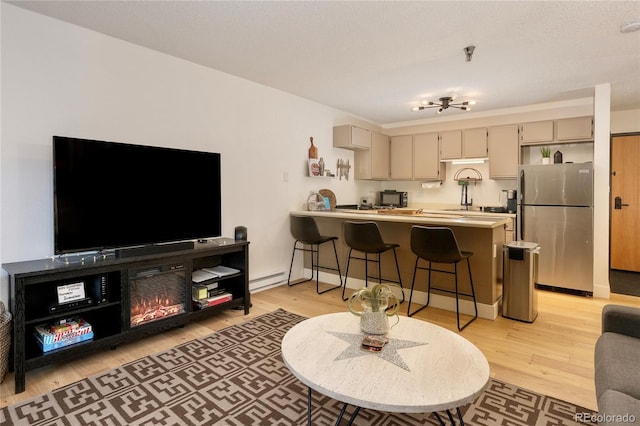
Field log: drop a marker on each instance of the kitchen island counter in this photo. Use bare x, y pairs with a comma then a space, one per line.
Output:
483, 234
426, 217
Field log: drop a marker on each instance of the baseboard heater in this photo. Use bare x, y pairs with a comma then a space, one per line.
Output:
267, 280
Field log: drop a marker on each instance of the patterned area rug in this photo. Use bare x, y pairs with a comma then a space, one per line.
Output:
236, 377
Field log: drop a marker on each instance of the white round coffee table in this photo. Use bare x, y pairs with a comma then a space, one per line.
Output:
424, 368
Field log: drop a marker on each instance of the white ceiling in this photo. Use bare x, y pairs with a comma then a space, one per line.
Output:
376, 60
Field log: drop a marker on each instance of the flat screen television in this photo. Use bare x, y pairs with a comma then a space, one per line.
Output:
116, 195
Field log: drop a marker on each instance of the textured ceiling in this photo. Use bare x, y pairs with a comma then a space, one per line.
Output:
376, 60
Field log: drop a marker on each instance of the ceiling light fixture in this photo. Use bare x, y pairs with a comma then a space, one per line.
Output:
445, 102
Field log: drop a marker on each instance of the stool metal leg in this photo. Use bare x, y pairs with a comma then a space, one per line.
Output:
413, 283
473, 295
346, 275
395, 257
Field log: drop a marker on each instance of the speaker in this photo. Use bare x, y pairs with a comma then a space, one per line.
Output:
241, 233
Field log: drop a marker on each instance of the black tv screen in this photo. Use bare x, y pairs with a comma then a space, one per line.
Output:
111, 195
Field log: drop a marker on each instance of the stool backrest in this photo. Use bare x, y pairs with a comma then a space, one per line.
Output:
435, 244
363, 236
304, 229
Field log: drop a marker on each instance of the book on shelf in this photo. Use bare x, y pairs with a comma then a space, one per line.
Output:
221, 271
202, 291
214, 300
62, 333
202, 276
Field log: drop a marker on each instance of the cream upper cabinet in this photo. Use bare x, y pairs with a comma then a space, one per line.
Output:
503, 152
451, 145
574, 129
373, 163
474, 143
351, 137
536, 132
402, 157
426, 162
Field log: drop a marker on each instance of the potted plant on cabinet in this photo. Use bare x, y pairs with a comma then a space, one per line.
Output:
546, 154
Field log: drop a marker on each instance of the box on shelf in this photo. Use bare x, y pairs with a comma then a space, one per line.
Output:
62, 333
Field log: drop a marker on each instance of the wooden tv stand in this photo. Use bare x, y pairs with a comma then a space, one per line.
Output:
34, 297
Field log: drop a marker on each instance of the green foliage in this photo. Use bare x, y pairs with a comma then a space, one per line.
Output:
545, 151
376, 296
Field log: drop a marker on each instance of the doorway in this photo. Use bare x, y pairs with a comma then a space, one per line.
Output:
625, 214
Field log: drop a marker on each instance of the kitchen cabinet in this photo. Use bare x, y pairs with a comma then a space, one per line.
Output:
503, 152
451, 145
574, 129
402, 157
373, 163
474, 143
468, 143
426, 161
351, 137
536, 132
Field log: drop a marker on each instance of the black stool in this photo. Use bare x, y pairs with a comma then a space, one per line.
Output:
305, 231
439, 245
365, 237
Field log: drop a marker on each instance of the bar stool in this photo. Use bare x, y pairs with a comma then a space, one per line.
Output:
365, 237
305, 231
439, 245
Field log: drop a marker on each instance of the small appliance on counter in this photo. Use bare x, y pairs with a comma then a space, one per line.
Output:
508, 199
393, 198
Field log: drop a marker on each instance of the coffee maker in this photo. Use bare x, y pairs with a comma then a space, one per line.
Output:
512, 201
509, 200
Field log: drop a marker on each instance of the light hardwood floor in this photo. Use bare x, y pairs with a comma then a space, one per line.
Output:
552, 356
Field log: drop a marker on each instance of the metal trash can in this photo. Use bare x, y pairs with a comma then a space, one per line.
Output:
520, 273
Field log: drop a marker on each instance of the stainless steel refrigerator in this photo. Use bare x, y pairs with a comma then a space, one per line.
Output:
556, 211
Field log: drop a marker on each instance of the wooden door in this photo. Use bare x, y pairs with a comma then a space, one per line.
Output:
625, 203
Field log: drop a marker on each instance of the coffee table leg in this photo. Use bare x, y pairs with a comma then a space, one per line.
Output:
309, 408
453, 422
353, 415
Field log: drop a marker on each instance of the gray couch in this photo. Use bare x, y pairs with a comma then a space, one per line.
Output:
617, 366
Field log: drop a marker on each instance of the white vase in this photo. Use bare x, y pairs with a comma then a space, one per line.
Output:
546, 160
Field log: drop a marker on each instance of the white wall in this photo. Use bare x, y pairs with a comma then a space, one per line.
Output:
59, 79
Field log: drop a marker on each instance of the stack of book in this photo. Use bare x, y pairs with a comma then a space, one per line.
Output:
206, 291
214, 297
62, 333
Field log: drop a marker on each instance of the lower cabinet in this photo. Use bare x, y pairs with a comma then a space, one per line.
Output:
66, 310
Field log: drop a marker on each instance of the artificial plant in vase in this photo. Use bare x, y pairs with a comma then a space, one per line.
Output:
546, 154
378, 303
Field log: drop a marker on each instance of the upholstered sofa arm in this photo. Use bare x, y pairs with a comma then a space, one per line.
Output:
622, 320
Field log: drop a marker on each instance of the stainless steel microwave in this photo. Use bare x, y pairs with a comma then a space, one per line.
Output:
393, 199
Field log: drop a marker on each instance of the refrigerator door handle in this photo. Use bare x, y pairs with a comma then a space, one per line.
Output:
521, 194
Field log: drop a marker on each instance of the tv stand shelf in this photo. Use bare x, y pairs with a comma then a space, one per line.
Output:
119, 290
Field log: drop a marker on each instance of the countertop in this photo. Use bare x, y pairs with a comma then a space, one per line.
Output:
465, 218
